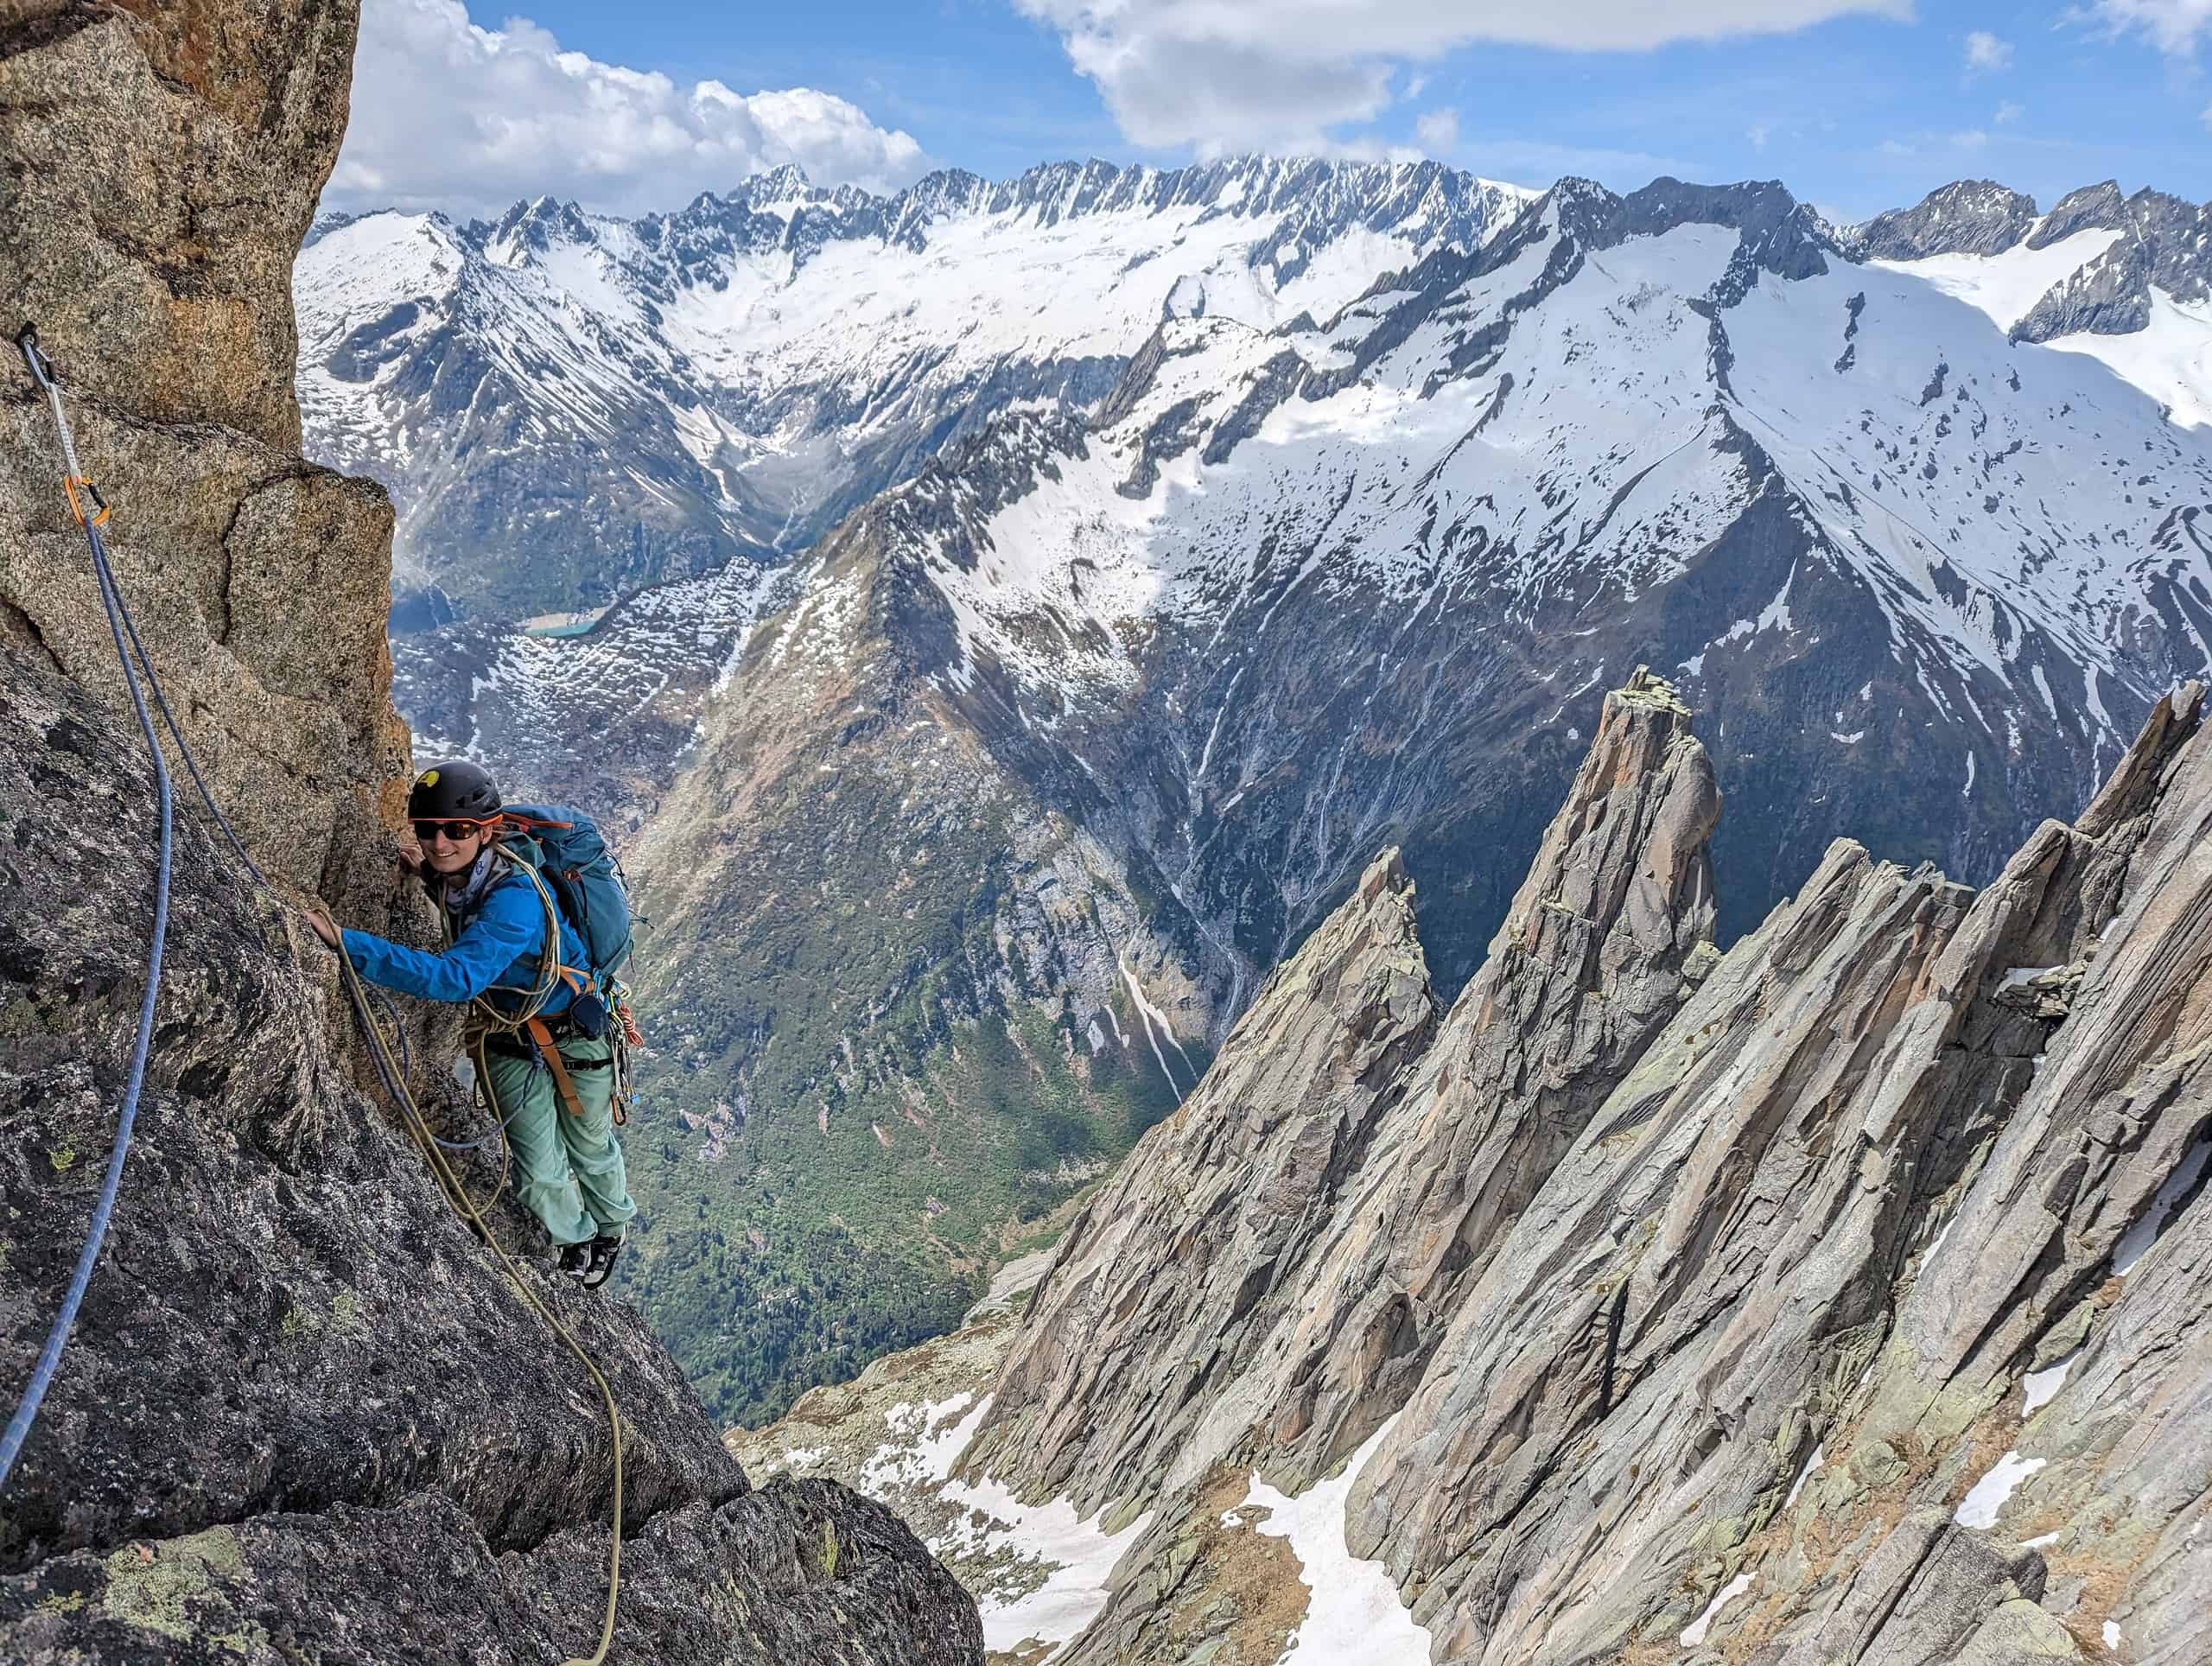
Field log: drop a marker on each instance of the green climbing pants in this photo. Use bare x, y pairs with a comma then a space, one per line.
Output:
568, 1168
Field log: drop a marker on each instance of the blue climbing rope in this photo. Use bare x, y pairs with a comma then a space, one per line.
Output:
49, 1359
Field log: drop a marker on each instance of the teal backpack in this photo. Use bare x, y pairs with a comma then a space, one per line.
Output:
565, 846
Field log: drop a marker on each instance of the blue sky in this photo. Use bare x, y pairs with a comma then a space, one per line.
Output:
1857, 104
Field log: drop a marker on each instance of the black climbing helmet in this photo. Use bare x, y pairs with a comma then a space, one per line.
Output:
455, 791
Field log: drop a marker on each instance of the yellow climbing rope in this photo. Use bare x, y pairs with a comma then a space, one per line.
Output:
457, 1195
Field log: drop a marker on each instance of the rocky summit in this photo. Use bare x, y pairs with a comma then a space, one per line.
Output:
302, 1415
1841, 1296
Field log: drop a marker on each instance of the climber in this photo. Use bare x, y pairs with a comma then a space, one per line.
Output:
568, 1164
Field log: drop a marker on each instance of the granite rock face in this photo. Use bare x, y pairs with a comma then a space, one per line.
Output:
168, 159
1841, 1297
303, 1413
164, 163
1124, 1364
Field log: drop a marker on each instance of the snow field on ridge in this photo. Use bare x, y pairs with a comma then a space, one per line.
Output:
2005, 286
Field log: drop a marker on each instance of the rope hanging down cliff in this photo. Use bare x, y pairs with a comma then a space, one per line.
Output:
49, 1358
392, 1071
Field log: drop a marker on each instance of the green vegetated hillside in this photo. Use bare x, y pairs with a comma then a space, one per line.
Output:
891, 1037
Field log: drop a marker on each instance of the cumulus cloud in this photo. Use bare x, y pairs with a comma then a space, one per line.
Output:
1758, 133
1439, 132
2175, 26
1986, 54
2009, 112
450, 115
1224, 76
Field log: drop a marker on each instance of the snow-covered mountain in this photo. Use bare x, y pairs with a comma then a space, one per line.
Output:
567, 407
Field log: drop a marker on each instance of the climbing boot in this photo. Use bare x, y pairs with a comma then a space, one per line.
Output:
576, 1259
600, 1266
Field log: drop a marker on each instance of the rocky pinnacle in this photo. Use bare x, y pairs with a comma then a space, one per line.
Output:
1307, 1303
1840, 1297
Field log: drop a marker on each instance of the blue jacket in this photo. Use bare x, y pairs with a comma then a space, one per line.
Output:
496, 947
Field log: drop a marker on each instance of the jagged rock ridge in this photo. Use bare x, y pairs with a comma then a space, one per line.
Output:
1861, 1315
301, 1414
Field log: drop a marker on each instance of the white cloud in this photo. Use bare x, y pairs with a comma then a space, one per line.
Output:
1226, 75
1758, 133
1972, 139
447, 115
2009, 112
1439, 132
1986, 54
2174, 26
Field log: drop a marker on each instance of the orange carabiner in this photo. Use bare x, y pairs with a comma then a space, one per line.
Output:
69, 484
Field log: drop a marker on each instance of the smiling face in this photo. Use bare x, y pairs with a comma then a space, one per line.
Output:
450, 847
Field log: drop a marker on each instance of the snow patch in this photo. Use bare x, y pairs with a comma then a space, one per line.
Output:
2140, 1236
1155, 1025
2041, 1386
1819, 1456
1694, 1633
1354, 1617
1979, 1507
925, 1444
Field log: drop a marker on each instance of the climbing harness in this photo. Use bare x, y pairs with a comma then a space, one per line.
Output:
49, 1358
391, 1071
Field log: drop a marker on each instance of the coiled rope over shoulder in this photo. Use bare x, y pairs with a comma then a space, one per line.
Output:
49, 1358
391, 1071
